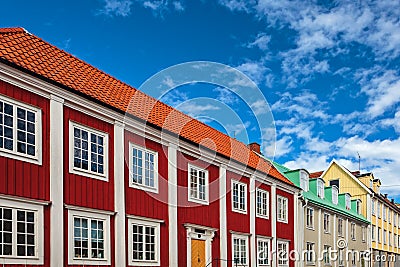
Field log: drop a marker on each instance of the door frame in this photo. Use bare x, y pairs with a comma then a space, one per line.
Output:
199, 232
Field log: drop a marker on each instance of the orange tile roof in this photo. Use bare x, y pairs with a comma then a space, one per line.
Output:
316, 174
30, 53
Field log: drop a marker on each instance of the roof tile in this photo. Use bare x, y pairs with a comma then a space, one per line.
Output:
31, 53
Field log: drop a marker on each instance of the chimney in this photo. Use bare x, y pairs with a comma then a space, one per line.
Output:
392, 200
255, 147
385, 195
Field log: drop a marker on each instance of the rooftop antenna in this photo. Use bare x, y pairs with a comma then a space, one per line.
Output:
359, 161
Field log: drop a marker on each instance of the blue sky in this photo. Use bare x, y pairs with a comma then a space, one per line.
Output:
328, 69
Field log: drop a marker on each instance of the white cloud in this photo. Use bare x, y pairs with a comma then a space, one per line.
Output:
226, 96
382, 88
194, 110
178, 6
116, 8
236, 5
261, 41
392, 122
278, 148
255, 70
235, 129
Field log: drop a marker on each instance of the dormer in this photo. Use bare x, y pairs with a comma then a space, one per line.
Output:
304, 180
345, 200
320, 188
377, 186
335, 195
356, 205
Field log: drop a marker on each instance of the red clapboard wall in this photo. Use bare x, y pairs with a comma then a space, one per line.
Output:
28, 180
147, 204
286, 230
85, 191
194, 213
263, 226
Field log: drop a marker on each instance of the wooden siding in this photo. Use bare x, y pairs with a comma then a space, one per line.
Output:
23, 179
81, 190
189, 212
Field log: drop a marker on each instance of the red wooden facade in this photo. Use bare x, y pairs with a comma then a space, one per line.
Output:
32, 183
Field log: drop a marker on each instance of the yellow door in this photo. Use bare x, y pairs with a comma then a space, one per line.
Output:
198, 253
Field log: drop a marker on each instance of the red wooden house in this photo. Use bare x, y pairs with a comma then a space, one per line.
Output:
83, 184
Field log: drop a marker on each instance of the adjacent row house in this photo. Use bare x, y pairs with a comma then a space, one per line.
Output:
96, 173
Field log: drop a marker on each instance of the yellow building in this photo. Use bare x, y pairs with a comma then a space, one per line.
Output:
384, 215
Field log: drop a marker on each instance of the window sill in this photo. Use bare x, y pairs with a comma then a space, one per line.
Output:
90, 262
310, 228
198, 201
12, 155
88, 174
262, 217
144, 263
20, 260
144, 188
239, 211
282, 221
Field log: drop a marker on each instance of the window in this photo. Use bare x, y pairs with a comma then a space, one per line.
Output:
240, 251
310, 253
326, 255
379, 235
21, 233
348, 202
384, 212
143, 171
310, 218
304, 180
239, 197
373, 206
326, 223
379, 209
262, 203
89, 235
334, 183
282, 209
364, 234
88, 152
395, 241
353, 259
198, 184
283, 253
358, 206
263, 252
353, 231
340, 257
384, 237
340, 226
394, 219
390, 238
373, 233
320, 188
20, 130
390, 215
143, 242
335, 195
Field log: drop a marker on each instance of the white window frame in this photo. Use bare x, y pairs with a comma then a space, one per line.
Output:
240, 237
143, 186
373, 235
379, 235
320, 189
310, 250
335, 195
327, 223
310, 218
384, 213
304, 178
79, 171
379, 209
206, 189
364, 234
373, 206
358, 206
286, 206
266, 194
327, 258
268, 242
348, 201
286, 243
340, 226
107, 240
38, 209
240, 184
37, 159
353, 231
149, 223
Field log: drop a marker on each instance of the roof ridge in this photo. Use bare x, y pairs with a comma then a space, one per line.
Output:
11, 30
118, 94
